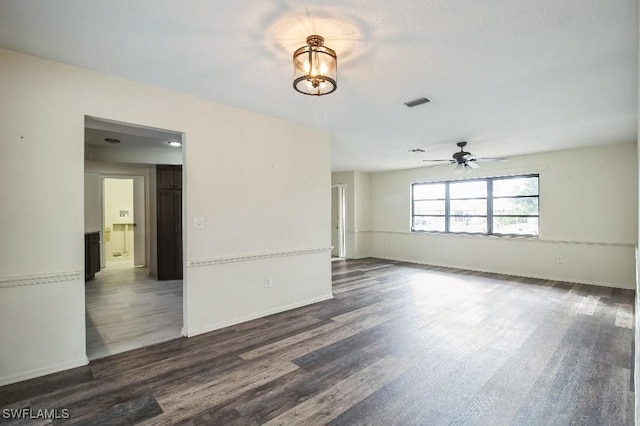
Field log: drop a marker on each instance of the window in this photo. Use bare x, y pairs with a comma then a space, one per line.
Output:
489, 206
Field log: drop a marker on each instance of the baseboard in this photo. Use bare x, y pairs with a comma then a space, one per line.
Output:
212, 327
43, 371
513, 274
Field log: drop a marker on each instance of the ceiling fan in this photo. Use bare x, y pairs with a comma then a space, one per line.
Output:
463, 160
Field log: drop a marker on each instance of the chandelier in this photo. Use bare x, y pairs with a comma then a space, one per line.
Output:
315, 68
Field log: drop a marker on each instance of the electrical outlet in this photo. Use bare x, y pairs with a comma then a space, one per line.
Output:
559, 259
267, 282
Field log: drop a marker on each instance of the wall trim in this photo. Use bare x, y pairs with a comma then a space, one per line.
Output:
80, 362
512, 274
514, 238
256, 256
50, 278
216, 326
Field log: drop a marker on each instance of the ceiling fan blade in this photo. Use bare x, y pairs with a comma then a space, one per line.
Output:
435, 166
472, 164
490, 160
439, 161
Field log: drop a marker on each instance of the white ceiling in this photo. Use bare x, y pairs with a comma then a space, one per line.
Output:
96, 131
509, 76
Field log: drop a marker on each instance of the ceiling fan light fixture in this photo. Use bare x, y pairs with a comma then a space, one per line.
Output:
315, 68
459, 169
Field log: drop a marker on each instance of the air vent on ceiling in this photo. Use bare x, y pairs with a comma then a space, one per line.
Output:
416, 150
417, 102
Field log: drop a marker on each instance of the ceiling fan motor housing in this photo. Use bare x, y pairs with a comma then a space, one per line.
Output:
460, 156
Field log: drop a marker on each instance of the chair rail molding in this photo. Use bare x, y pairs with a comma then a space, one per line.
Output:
49, 278
256, 256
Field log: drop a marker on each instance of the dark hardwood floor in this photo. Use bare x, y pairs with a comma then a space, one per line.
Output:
399, 344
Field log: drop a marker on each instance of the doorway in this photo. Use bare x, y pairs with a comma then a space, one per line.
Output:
126, 306
338, 234
123, 222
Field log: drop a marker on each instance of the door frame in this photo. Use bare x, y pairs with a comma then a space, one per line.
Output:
150, 200
146, 215
342, 235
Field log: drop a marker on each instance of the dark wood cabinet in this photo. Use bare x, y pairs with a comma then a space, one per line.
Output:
169, 177
91, 254
169, 218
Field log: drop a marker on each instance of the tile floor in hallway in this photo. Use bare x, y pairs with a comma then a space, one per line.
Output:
126, 309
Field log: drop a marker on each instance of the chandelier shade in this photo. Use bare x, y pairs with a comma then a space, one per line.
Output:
315, 68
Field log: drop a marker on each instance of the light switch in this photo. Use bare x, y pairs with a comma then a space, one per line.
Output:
199, 222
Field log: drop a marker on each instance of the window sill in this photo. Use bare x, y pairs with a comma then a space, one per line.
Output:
471, 234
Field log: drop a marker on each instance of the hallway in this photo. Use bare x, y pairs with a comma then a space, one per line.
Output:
126, 309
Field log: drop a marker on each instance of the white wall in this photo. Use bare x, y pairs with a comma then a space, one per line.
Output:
258, 220
588, 215
362, 213
356, 211
152, 224
92, 203
133, 155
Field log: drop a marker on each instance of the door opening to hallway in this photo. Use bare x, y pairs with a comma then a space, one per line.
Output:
338, 237
126, 305
123, 233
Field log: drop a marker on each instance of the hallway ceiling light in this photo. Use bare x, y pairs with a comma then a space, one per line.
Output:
175, 143
315, 68
112, 140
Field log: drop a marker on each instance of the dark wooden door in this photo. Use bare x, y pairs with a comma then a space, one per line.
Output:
177, 208
169, 218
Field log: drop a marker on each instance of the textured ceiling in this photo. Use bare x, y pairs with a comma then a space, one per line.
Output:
509, 76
